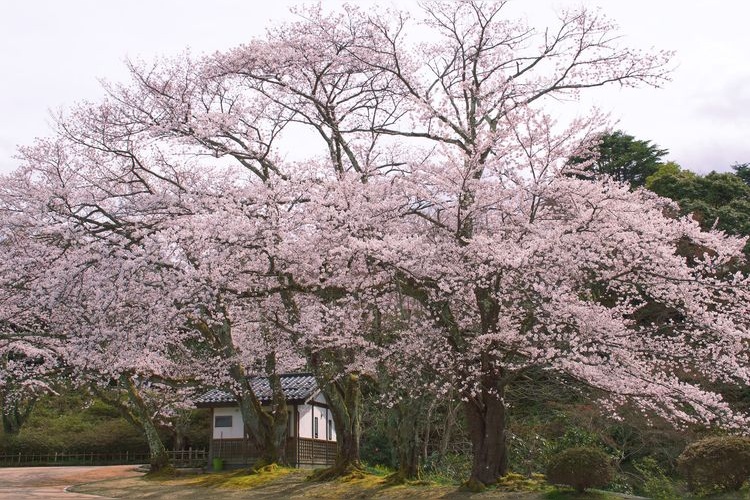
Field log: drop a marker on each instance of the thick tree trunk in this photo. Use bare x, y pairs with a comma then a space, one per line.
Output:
485, 415
11, 422
348, 446
158, 458
348, 407
404, 428
345, 400
15, 413
408, 452
265, 429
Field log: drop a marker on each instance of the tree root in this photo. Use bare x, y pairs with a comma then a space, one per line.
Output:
344, 472
401, 477
263, 465
475, 485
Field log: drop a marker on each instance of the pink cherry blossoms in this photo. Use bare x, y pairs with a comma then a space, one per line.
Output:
435, 221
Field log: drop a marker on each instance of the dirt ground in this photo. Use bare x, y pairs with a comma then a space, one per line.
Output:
123, 481
291, 486
18, 483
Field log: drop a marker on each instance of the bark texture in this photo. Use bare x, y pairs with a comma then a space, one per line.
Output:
485, 415
158, 458
344, 397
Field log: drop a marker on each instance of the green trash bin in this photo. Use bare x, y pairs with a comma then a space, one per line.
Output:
218, 464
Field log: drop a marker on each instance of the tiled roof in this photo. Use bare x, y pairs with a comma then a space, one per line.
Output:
297, 387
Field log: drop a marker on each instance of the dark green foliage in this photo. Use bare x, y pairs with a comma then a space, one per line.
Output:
580, 468
450, 468
376, 448
716, 464
720, 200
655, 482
742, 170
625, 158
72, 423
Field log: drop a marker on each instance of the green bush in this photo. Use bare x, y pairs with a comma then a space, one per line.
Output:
656, 484
580, 468
716, 464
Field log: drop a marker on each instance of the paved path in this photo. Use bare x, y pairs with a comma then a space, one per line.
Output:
19, 483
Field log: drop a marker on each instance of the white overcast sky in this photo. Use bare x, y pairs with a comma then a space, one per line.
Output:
52, 53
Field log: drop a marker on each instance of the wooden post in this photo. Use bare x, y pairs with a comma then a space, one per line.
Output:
211, 439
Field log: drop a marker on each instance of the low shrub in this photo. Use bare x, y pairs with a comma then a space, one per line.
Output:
580, 468
716, 464
656, 484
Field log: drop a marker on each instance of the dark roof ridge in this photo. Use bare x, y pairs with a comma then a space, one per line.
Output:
298, 387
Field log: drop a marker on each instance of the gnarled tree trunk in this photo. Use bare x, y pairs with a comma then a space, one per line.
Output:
344, 397
405, 428
266, 429
141, 414
15, 414
485, 415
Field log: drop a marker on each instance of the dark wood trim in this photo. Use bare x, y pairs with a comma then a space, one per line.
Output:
328, 430
311, 400
296, 435
211, 438
312, 420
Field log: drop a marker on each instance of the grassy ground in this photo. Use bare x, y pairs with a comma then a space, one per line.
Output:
281, 483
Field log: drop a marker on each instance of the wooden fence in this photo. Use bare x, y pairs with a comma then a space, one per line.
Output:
302, 451
178, 458
316, 452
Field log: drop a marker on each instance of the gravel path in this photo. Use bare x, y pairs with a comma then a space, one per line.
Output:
18, 483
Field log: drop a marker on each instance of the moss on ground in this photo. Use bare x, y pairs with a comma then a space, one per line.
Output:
280, 483
239, 480
570, 494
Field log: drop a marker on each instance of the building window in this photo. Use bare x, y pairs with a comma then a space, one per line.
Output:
315, 428
223, 421
329, 430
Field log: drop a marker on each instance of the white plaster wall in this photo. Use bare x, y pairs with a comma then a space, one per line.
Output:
306, 415
236, 431
323, 419
305, 421
333, 427
320, 413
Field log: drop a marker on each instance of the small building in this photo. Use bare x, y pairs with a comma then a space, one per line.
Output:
311, 434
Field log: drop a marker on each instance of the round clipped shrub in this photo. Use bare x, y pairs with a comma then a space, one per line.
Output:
716, 464
580, 468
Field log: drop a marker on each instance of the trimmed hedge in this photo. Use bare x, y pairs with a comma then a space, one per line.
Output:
716, 464
580, 468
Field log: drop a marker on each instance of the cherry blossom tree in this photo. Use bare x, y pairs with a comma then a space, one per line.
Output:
442, 180
503, 251
29, 352
144, 286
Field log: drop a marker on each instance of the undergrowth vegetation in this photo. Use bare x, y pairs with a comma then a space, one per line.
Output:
76, 423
